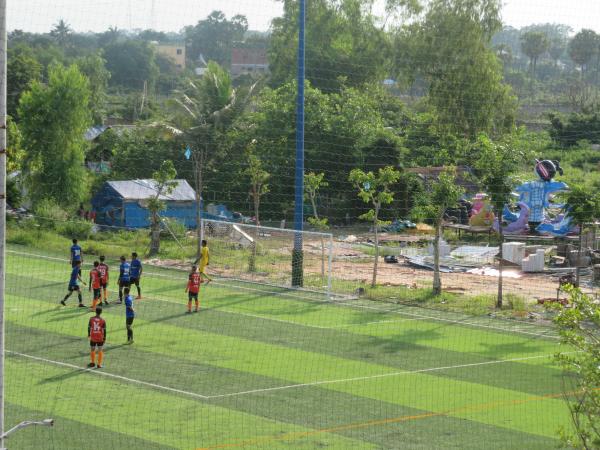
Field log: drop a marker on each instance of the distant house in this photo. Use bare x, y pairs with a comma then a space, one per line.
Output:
175, 52
124, 203
464, 176
249, 61
201, 65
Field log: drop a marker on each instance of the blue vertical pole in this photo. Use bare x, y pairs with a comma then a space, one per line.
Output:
297, 255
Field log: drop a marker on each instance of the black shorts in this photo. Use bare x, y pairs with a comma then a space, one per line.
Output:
97, 292
73, 287
135, 281
96, 344
129, 320
124, 284
192, 296
103, 284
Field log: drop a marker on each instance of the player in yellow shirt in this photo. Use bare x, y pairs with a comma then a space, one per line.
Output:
203, 260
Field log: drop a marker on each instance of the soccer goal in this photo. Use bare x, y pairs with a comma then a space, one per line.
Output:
262, 256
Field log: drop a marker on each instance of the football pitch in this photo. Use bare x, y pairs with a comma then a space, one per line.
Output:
255, 370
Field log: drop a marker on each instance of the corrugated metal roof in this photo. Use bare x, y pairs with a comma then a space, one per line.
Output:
146, 189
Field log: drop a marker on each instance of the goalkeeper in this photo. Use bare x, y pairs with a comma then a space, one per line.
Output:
203, 260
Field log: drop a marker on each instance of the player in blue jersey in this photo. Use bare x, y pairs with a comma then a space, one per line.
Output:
76, 254
136, 273
74, 285
124, 280
129, 315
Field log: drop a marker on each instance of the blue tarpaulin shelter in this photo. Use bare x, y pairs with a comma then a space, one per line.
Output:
124, 203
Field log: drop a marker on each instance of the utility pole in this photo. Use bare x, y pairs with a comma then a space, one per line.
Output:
297, 253
3, 146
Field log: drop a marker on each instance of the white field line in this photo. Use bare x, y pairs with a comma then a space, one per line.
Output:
458, 322
391, 311
373, 377
271, 389
109, 375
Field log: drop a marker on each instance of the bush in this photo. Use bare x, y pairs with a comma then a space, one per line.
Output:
76, 229
173, 227
48, 214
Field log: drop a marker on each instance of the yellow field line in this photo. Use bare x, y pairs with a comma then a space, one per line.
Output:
357, 425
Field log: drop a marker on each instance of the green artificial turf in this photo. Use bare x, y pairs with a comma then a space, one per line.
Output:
258, 368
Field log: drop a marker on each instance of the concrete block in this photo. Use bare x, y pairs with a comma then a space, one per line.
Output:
513, 252
535, 262
444, 249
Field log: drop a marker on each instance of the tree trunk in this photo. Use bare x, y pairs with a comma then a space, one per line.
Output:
322, 257
154, 236
437, 282
199, 188
501, 260
375, 222
579, 252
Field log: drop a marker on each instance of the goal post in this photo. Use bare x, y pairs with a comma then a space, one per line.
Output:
263, 255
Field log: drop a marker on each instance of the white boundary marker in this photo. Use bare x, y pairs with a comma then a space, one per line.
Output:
345, 304
108, 375
271, 389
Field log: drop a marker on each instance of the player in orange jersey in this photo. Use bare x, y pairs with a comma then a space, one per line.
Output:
95, 284
195, 279
97, 336
103, 269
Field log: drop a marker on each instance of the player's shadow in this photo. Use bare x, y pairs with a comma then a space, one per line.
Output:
64, 376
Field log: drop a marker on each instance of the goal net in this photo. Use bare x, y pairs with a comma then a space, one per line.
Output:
260, 257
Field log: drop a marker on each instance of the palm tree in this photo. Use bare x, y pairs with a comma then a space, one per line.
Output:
200, 113
62, 33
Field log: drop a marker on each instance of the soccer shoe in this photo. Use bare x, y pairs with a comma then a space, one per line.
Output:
91, 364
81, 305
62, 302
188, 312
130, 341
196, 310
98, 366
105, 302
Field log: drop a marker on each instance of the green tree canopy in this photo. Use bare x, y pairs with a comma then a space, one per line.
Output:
214, 36
131, 63
93, 67
583, 47
463, 74
54, 118
534, 44
344, 45
22, 69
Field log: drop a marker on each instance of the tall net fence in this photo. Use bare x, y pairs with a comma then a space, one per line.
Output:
145, 127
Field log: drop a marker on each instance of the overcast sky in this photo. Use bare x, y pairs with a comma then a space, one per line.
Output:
172, 15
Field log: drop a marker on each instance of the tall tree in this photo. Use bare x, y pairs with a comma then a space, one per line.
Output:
579, 326
344, 43
22, 69
467, 102
496, 166
54, 118
258, 178
93, 67
313, 182
584, 208
582, 48
131, 63
200, 114
62, 33
440, 195
534, 44
557, 49
214, 37
164, 185
375, 190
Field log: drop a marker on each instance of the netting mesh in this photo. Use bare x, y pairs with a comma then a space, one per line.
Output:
148, 127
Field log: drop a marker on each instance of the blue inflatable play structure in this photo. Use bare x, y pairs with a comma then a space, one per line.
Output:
536, 206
